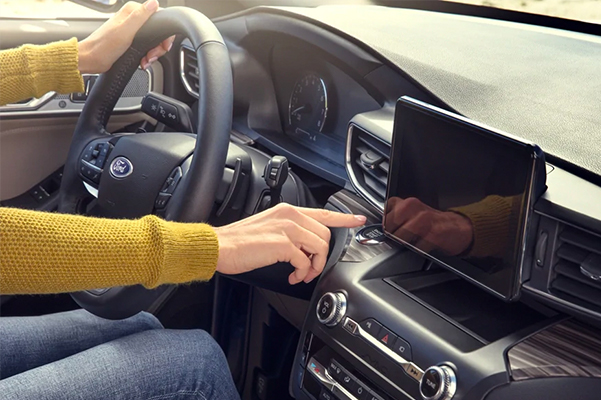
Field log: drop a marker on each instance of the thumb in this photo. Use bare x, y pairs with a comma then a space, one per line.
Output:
140, 15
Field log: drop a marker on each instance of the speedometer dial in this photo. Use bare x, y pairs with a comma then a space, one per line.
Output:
308, 104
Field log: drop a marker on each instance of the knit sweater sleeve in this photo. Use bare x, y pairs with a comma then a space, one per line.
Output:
494, 220
32, 71
53, 253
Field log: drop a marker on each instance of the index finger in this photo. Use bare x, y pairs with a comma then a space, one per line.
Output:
334, 219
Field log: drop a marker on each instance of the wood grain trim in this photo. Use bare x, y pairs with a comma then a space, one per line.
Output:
567, 349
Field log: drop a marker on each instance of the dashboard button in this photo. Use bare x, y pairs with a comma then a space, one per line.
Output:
371, 326
402, 348
348, 381
335, 370
326, 395
387, 337
360, 391
350, 325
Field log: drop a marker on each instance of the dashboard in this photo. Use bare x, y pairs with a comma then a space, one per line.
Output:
319, 87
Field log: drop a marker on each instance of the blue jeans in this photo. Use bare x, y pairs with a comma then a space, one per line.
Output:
76, 355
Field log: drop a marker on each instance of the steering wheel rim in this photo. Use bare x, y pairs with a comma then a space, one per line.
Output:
215, 107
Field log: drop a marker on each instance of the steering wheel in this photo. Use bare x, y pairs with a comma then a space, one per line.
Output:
135, 175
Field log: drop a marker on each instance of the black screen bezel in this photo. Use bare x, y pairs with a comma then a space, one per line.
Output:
492, 134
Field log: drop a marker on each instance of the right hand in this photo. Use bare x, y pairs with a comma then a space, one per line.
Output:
283, 233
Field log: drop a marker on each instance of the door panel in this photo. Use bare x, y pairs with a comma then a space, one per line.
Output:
34, 143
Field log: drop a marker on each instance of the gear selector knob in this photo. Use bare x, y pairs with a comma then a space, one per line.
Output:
276, 174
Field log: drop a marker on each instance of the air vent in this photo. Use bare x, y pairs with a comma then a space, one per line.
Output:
368, 164
578, 268
189, 70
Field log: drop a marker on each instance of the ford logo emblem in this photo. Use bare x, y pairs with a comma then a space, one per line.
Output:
121, 167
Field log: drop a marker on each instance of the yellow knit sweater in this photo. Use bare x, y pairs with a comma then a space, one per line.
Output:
53, 253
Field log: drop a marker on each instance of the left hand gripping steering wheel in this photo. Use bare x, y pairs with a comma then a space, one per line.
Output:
137, 174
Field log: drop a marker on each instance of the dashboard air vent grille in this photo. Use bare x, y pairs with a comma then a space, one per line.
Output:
189, 70
577, 276
369, 164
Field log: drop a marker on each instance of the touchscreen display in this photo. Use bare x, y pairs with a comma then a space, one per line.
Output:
459, 193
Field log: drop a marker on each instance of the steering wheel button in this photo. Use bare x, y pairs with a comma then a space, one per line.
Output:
162, 200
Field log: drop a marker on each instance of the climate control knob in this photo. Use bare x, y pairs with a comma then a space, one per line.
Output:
331, 308
438, 383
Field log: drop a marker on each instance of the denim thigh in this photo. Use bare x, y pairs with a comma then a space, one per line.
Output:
30, 342
155, 364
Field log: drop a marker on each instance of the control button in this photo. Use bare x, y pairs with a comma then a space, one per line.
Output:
326, 395
100, 162
162, 111
370, 235
162, 200
360, 391
402, 348
151, 106
171, 182
78, 97
387, 337
438, 383
171, 113
87, 154
371, 326
104, 149
350, 325
348, 381
335, 370
331, 308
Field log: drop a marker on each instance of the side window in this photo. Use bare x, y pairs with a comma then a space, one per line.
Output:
50, 9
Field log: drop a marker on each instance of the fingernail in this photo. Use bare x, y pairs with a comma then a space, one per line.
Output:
145, 66
361, 218
153, 59
170, 46
151, 5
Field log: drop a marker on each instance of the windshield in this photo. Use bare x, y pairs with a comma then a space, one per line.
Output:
580, 10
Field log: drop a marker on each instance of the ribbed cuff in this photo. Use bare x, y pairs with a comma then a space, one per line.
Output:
54, 67
190, 252
490, 220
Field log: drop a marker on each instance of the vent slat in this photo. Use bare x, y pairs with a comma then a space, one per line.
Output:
374, 173
572, 253
572, 271
371, 181
570, 284
375, 145
577, 290
581, 239
385, 166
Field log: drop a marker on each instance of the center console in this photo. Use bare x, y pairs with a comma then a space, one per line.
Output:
401, 315
382, 325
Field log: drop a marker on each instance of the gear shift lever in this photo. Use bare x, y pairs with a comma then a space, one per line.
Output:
276, 173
